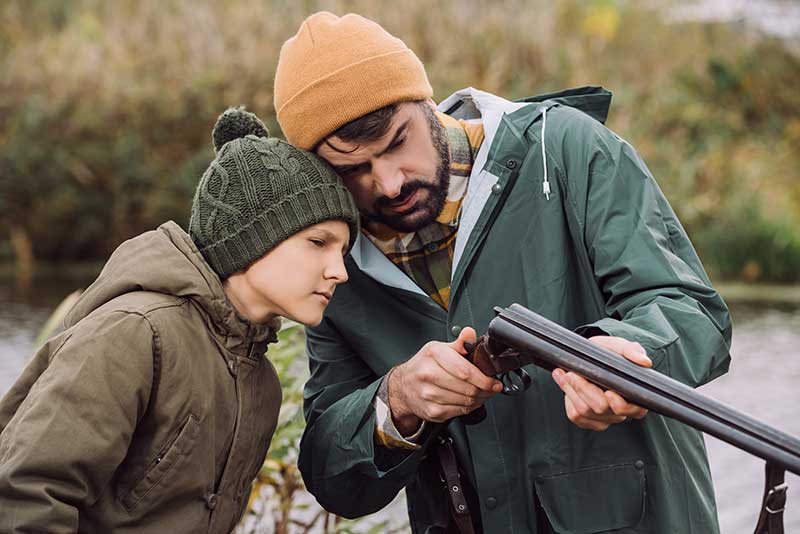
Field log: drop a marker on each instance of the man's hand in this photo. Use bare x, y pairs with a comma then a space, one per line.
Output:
589, 406
437, 384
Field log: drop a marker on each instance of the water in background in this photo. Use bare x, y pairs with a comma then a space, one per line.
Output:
764, 382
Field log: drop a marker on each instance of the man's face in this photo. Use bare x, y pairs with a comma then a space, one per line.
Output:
400, 179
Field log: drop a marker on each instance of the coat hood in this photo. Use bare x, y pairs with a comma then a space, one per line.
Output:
167, 261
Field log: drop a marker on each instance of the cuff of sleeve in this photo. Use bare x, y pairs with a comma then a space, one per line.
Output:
386, 433
590, 330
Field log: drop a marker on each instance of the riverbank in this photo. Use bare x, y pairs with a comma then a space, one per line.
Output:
74, 275
742, 292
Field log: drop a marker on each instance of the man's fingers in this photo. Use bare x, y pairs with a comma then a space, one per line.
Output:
630, 350
588, 420
591, 395
440, 413
582, 422
622, 407
579, 411
456, 365
449, 390
587, 398
465, 343
580, 408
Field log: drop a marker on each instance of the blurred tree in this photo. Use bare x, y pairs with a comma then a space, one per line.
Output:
106, 107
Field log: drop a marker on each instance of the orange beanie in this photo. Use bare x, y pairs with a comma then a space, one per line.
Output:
337, 69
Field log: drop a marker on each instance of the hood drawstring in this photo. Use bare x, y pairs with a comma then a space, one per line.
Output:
545, 184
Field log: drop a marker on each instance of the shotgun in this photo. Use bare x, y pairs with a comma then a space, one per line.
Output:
518, 336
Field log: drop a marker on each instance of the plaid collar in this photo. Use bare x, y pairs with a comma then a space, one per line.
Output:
427, 254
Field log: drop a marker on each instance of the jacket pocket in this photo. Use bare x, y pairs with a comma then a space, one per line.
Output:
166, 460
593, 500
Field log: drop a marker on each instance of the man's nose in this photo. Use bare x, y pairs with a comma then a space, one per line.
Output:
388, 179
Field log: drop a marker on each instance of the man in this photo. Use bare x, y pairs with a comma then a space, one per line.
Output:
483, 203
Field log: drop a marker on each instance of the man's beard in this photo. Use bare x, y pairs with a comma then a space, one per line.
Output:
426, 209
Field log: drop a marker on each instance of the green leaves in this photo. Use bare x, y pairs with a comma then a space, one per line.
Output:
279, 494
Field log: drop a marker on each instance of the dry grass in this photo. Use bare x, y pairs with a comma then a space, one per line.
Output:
106, 107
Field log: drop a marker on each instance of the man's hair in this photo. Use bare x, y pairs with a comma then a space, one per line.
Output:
372, 126
369, 127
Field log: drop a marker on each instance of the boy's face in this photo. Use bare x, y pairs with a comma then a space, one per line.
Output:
296, 279
401, 179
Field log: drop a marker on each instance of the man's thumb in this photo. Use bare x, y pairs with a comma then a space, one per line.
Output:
465, 341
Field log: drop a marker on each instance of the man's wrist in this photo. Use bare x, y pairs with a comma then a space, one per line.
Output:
404, 420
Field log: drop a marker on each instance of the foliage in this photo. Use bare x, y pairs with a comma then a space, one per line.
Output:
278, 502
106, 108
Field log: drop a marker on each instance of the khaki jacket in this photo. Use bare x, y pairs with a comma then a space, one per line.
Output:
151, 412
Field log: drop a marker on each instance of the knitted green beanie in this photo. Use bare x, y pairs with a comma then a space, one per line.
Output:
259, 191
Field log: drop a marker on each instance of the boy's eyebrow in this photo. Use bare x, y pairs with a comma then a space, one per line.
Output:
330, 236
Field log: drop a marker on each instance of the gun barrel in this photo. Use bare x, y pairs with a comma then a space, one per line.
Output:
549, 345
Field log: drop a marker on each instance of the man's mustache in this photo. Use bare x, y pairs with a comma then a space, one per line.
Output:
405, 191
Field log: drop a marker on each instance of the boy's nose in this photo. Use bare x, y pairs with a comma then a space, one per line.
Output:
336, 270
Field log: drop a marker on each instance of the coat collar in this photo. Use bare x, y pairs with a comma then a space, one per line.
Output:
466, 103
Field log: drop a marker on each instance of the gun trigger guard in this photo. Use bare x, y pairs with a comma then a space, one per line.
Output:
515, 382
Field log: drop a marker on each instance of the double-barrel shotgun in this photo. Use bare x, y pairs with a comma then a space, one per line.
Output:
518, 336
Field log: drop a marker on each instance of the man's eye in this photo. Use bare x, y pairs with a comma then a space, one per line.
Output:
352, 172
397, 143
318, 243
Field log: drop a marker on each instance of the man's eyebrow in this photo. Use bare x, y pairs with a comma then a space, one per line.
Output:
345, 169
400, 131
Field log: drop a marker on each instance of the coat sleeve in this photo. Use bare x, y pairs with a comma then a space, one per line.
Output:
341, 465
71, 431
652, 284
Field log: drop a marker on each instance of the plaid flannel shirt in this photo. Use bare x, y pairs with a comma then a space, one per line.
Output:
426, 255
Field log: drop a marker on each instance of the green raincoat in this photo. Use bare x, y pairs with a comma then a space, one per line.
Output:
602, 253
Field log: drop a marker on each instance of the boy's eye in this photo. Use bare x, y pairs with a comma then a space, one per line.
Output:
318, 242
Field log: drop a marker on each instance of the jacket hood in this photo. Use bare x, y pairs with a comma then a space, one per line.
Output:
167, 261
592, 100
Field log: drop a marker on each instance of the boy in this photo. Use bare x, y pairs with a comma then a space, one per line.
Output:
154, 410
